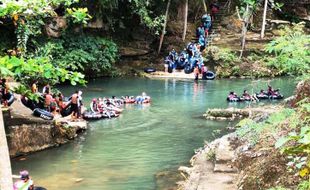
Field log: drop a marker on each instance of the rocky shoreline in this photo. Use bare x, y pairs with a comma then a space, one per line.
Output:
224, 163
27, 134
212, 167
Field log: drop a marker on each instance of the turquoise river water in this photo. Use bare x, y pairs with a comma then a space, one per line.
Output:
147, 143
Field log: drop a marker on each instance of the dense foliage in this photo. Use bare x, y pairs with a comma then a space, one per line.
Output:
70, 51
83, 53
27, 71
291, 52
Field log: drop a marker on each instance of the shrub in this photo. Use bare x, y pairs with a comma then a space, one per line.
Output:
91, 55
291, 52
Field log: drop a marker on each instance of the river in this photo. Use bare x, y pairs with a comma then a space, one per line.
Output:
138, 149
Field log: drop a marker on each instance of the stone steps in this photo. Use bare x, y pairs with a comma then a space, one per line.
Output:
224, 168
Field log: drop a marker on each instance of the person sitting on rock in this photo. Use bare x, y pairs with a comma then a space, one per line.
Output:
25, 182
5, 92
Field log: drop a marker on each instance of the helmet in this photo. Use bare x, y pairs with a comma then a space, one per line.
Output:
24, 174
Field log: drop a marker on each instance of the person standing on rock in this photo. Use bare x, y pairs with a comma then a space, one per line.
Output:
48, 101
47, 86
80, 103
74, 105
34, 87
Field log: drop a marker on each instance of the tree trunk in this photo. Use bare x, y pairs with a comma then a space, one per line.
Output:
164, 28
205, 6
185, 20
6, 182
244, 29
264, 20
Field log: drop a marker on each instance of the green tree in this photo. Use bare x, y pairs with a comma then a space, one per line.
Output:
290, 53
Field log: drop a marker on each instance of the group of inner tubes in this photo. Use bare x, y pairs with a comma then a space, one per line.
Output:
262, 95
106, 108
48, 105
191, 57
6, 96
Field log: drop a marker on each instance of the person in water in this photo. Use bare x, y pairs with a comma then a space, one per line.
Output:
270, 90
25, 182
196, 72
247, 96
232, 95
262, 92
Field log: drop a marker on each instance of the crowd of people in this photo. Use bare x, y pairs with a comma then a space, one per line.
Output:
56, 103
191, 59
113, 106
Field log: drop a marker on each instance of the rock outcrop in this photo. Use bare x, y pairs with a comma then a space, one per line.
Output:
26, 133
235, 113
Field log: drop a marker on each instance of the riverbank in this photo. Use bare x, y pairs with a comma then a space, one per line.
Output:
27, 133
253, 157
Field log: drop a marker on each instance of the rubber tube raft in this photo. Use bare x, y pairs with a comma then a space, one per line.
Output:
237, 99
43, 114
67, 110
149, 70
89, 115
31, 104
188, 69
271, 97
210, 75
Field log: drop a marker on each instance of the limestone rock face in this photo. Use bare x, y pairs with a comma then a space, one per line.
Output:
27, 138
26, 133
55, 27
